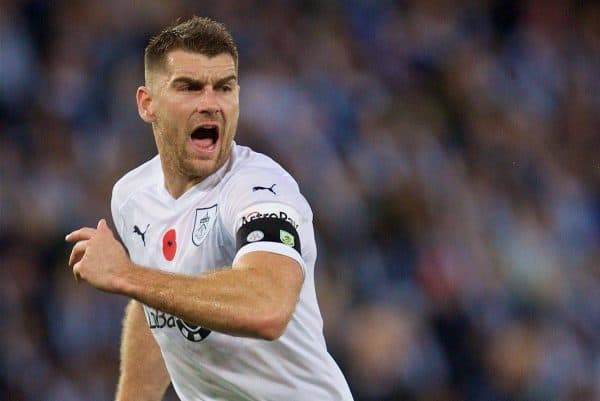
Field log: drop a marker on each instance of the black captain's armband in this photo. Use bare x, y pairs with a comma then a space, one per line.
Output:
268, 229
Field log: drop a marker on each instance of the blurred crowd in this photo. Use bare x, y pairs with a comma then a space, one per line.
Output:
450, 150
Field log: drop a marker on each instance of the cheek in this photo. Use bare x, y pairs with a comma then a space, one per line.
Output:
232, 114
173, 109
231, 105
171, 121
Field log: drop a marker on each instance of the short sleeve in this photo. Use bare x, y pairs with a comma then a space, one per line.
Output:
263, 210
115, 206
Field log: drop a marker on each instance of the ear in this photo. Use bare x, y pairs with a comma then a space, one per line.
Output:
143, 97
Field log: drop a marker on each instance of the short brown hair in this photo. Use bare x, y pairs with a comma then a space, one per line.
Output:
197, 34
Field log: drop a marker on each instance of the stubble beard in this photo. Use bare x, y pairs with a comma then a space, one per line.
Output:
180, 161
195, 168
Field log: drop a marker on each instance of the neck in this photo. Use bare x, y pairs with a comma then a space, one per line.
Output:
176, 185
176, 182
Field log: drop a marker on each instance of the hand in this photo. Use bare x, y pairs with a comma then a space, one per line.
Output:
98, 258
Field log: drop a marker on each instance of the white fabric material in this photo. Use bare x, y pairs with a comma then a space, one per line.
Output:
273, 247
294, 367
268, 209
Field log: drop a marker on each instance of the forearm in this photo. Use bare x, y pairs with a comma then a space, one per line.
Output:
255, 299
143, 373
251, 302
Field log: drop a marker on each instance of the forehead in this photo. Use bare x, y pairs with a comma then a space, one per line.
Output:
195, 65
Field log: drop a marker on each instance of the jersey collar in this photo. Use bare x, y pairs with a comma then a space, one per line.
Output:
206, 184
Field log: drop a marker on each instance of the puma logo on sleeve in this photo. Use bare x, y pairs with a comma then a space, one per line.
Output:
270, 189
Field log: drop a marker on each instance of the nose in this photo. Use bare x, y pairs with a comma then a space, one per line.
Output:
208, 102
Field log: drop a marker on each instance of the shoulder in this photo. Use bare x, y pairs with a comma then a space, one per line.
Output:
254, 175
136, 180
250, 167
256, 179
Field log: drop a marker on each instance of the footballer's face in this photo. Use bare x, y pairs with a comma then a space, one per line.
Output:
194, 109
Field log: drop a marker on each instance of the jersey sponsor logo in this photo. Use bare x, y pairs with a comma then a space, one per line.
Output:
142, 234
286, 238
158, 320
270, 189
255, 215
169, 244
255, 235
191, 332
203, 222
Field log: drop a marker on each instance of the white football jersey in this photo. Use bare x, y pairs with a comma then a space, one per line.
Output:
196, 234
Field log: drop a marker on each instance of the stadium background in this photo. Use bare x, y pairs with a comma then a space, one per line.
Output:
450, 150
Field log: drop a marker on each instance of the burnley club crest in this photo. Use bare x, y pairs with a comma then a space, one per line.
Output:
203, 222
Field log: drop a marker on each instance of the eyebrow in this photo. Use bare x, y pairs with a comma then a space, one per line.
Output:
196, 82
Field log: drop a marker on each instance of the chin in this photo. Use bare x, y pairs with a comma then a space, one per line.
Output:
200, 168
204, 167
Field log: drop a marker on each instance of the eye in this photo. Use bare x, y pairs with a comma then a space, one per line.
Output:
226, 88
187, 87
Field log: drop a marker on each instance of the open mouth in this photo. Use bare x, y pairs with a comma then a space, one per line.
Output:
205, 137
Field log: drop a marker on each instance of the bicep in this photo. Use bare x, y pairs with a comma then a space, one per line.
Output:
282, 274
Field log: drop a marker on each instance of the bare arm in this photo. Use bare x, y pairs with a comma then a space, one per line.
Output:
143, 373
256, 298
